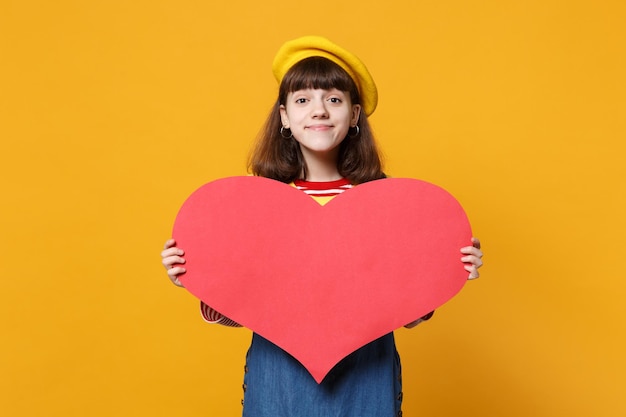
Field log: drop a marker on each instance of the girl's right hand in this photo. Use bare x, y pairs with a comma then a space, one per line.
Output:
172, 260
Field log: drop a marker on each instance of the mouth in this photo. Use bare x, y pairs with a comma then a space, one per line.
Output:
319, 127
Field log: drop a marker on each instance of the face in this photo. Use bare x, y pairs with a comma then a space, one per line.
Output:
319, 120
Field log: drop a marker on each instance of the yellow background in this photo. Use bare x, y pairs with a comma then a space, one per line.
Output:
112, 112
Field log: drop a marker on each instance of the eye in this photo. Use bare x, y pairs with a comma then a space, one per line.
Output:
300, 100
334, 100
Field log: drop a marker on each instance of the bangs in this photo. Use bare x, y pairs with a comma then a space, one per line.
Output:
318, 73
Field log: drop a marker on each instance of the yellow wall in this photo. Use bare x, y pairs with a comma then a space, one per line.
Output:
112, 112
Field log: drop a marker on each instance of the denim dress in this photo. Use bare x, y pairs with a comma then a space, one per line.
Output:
367, 383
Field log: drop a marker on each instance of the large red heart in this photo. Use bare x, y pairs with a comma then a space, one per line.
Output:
322, 281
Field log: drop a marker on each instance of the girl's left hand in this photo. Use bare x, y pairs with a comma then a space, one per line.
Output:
473, 258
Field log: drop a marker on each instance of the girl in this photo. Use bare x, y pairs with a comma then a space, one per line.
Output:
317, 138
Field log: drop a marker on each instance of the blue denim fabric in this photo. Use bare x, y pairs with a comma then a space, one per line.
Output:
367, 383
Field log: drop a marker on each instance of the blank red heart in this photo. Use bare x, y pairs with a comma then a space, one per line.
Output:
322, 281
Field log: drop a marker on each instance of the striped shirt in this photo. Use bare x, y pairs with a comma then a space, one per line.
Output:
323, 189
322, 192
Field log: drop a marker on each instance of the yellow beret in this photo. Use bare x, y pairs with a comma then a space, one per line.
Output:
298, 49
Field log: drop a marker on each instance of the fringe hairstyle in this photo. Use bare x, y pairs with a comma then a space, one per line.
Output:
281, 159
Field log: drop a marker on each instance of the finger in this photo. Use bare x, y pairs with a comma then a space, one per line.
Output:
473, 260
471, 250
170, 261
177, 282
169, 243
473, 272
172, 252
476, 242
174, 272
174, 275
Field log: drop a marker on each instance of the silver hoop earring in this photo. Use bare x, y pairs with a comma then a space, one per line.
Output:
357, 132
282, 132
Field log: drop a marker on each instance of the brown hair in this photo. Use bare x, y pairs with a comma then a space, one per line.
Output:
280, 159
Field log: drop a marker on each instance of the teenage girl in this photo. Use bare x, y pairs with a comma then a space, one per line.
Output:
317, 138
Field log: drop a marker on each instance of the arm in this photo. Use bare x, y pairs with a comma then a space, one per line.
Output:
418, 321
213, 316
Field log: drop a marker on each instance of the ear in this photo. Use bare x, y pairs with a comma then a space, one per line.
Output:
356, 112
284, 119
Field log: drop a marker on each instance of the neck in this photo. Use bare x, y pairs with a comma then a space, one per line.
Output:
322, 177
321, 168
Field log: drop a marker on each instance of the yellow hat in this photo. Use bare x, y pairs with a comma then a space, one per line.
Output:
298, 49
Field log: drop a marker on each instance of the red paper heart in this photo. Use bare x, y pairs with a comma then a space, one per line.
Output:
322, 281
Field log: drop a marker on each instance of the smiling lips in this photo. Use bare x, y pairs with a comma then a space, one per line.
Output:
319, 127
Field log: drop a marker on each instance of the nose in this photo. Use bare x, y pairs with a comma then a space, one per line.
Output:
319, 109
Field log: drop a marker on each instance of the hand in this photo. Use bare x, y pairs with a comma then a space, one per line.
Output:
473, 258
172, 260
